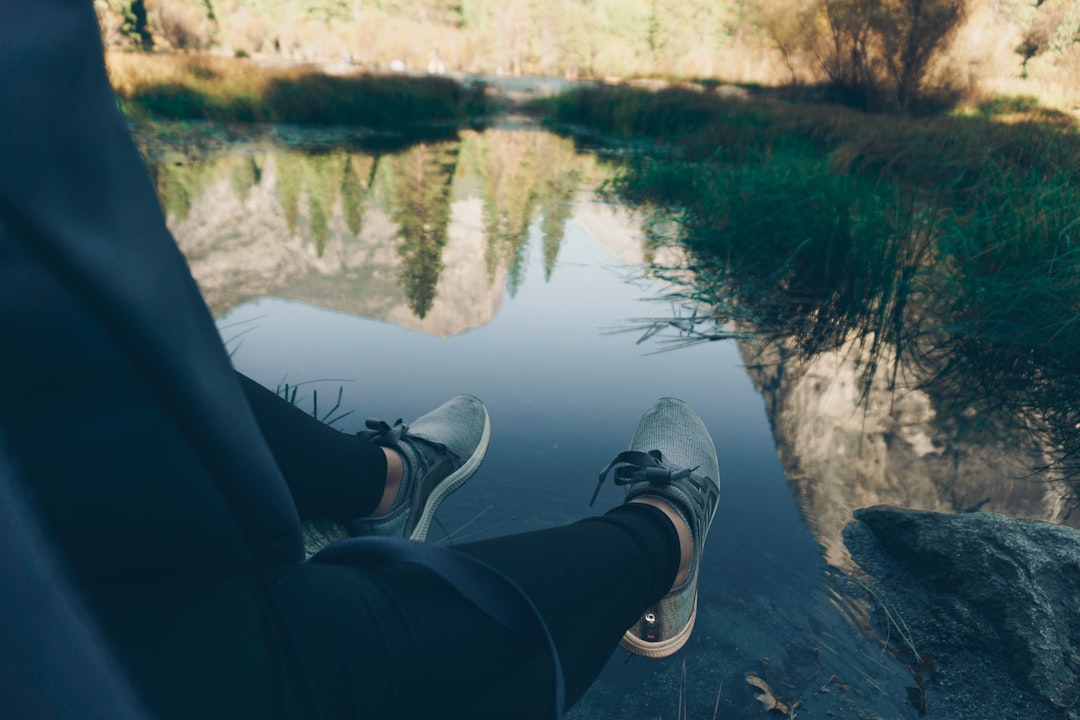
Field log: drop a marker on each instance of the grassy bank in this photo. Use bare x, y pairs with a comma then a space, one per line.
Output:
706, 122
205, 87
951, 243
811, 197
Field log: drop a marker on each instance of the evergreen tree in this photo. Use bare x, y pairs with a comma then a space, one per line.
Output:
354, 190
244, 174
420, 204
556, 208
323, 175
179, 184
290, 183
510, 202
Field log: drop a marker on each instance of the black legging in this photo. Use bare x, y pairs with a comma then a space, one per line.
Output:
332, 641
329, 473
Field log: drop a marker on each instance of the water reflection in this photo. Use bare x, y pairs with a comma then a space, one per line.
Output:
869, 397
893, 369
426, 236
420, 185
845, 445
518, 252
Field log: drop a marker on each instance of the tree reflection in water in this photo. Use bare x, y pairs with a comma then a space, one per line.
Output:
914, 287
324, 194
420, 195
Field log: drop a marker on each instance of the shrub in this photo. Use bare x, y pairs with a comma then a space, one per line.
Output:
874, 54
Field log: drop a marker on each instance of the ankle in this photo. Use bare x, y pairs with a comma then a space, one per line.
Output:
686, 538
395, 469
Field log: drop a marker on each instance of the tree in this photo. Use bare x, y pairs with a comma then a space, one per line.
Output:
354, 190
124, 22
424, 177
791, 30
881, 52
290, 182
244, 174
911, 33
509, 203
513, 31
556, 209
847, 59
324, 175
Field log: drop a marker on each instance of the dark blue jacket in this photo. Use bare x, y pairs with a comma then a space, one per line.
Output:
118, 402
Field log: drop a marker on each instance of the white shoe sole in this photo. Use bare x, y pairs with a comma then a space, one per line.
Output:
633, 644
452, 482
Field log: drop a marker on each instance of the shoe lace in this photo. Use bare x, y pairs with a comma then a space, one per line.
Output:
381, 432
636, 466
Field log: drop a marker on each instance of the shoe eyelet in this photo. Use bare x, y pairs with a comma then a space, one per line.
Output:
649, 632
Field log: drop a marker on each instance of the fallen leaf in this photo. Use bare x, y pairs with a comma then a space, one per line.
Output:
767, 698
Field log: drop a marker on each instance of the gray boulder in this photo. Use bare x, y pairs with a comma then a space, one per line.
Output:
994, 599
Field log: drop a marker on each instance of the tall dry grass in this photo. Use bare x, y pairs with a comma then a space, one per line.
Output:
207, 87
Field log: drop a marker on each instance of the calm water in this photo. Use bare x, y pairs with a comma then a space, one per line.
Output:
484, 264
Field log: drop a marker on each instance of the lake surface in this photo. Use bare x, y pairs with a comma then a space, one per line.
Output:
398, 275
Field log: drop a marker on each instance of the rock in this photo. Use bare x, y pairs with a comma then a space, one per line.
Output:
983, 592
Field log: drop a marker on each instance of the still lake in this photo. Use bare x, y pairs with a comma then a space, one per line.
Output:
378, 278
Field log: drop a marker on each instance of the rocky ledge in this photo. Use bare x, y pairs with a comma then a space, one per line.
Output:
989, 605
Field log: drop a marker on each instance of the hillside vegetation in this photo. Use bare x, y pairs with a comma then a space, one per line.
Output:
878, 52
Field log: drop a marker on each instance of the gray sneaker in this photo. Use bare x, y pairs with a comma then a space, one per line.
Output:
671, 456
440, 451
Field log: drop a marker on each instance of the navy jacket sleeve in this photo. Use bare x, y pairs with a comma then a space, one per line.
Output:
119, 402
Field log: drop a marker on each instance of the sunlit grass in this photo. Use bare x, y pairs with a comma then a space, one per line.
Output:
204, 87
704, 123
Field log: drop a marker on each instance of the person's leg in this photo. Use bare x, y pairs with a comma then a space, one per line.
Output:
345, 637
590, 581
335, 640
331, 474
387, 480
